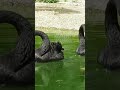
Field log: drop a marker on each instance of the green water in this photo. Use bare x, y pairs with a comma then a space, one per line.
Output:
67, 74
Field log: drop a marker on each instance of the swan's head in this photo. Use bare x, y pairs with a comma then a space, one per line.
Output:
57, 46
57, 50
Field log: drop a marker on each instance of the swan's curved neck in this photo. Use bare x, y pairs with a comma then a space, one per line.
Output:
46, 42
111, 14
25, 45
42, 35
111, 24
16, 20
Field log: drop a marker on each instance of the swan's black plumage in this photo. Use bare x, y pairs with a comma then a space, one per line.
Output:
81, 49
18, 65
110, 56
49, 51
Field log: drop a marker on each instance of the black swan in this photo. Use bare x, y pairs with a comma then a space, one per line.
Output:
110, 55
81, 49
49, 51
18, 66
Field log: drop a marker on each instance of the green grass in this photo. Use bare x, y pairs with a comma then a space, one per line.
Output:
67, 74
59, 10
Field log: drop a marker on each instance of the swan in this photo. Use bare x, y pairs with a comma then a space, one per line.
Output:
110, 55
81, 49
18, 65
49, 51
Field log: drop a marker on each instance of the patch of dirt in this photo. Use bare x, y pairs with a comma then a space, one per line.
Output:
60, 15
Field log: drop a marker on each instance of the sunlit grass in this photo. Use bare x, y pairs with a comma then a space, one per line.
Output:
59, 10
65, 32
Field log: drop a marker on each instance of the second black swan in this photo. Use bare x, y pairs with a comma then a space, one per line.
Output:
110, 55
81, 49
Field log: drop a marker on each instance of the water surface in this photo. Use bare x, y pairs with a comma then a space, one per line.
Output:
67, 74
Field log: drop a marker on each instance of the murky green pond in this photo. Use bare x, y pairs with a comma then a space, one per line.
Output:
67, 74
